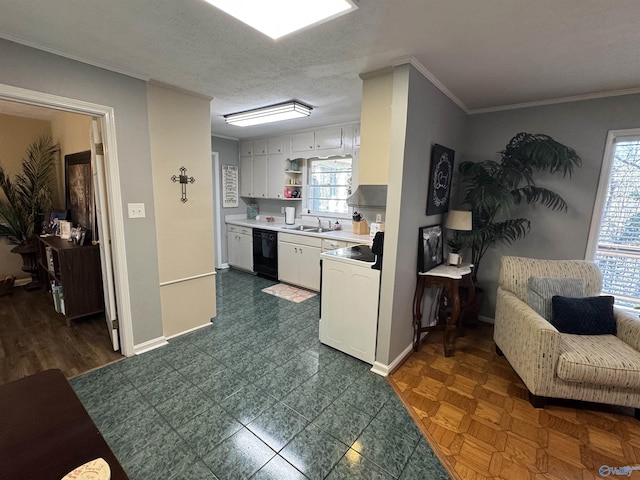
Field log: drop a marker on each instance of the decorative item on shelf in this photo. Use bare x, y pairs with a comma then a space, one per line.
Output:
295, 193
294, 165
183, 179
252, 211
78, 236
65, 230
458, 221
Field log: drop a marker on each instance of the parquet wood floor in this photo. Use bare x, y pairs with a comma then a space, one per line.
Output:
33, 338
473, 410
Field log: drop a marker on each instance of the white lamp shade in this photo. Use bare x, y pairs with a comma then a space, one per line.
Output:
459, 220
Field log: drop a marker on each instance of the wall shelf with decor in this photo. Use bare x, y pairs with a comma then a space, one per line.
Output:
77, 270
293, 179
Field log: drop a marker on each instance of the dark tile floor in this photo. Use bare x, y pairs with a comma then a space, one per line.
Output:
256, 395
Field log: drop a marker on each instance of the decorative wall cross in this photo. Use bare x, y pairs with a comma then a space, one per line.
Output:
183, 179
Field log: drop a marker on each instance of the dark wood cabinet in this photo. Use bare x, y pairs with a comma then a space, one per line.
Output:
77, 270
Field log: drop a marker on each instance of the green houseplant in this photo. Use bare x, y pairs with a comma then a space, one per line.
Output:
492, 189
28, 197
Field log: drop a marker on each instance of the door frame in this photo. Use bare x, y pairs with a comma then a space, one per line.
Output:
217, 208
114, 194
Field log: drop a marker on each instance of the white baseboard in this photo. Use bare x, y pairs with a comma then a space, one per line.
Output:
208, 324
384, 370
150, 345
20, 282
490, 320
224, 265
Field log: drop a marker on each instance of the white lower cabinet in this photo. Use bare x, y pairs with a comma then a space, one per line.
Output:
299, 260
240, 247
349, 307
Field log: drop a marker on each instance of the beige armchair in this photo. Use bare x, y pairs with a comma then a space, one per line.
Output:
593, 368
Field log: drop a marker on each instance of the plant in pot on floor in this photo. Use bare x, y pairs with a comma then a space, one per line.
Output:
28, 199
492, 189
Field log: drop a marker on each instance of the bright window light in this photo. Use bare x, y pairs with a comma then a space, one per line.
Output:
277, 18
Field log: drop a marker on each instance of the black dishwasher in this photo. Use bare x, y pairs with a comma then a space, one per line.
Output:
265, 252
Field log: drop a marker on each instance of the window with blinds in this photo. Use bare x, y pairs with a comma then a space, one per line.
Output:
329, 185
617, 250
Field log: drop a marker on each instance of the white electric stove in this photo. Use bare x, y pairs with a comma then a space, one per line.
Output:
349, 301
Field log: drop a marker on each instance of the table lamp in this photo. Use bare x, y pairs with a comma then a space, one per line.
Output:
457, 220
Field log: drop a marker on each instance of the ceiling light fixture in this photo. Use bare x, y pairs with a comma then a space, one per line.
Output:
272, 113
277, 18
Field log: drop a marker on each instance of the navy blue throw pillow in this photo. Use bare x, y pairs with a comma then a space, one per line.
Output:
583, 315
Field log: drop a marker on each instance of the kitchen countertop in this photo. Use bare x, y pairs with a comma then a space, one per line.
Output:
278, 225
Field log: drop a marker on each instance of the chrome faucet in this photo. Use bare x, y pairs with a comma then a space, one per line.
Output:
319, 223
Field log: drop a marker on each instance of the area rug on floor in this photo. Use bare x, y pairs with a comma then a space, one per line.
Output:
287, 292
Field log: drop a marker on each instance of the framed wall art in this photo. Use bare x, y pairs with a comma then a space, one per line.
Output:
440, 175
79, 189
430, 247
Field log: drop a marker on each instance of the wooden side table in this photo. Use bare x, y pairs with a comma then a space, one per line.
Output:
450, 279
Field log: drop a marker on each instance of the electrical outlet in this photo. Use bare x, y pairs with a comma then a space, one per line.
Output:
378, 217
281, 209
136, 210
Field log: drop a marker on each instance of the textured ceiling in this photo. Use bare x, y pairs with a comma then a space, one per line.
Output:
486, 54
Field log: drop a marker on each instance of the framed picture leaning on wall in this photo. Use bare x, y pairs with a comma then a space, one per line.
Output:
430, 248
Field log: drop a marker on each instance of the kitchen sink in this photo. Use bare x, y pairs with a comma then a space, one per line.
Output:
307, 228
301, 228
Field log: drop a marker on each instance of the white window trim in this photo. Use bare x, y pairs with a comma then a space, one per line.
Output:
613, 137
306, 211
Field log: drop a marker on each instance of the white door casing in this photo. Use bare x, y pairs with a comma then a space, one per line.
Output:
114, 196
104, 233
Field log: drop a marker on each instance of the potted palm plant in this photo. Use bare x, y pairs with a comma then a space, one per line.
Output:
28, 199
492, 189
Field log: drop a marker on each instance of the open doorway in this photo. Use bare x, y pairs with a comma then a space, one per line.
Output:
82, 111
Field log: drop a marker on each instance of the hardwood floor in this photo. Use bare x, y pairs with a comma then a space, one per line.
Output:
33, 337
474, 411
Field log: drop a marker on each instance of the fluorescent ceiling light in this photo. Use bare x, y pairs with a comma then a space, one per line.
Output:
273, 113
277, 18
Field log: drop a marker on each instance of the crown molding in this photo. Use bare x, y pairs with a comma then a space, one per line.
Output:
411, 60
554, 101
62, 53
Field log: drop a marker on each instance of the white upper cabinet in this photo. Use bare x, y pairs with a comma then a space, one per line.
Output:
246, 176
265, 171
246, 149
260, 176
302, 142
275, 175
329, 138
275, 145
260, 147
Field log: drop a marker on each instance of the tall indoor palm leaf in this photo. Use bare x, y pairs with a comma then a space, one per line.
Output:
28, 197
492, 189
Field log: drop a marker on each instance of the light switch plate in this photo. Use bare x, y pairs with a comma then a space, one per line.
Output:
136, 210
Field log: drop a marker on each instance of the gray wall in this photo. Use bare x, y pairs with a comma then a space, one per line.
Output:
431, 118
228, 155
36, 70
581, 125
